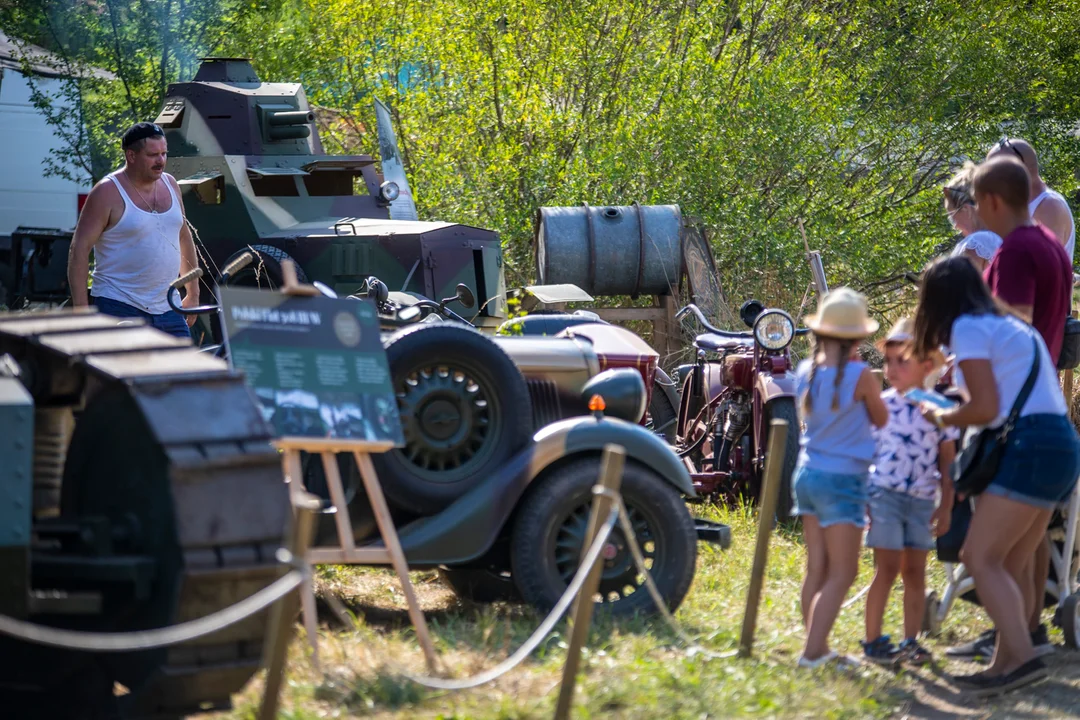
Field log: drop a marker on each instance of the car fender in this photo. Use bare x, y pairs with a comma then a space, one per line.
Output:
667, 385
469, 526
770, 387
587, 434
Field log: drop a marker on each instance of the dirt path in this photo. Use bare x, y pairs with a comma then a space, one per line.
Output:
1058, 697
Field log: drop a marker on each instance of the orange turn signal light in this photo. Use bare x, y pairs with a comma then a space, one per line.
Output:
597, 404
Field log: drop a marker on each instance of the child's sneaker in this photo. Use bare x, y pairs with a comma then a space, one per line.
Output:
881, 651
912, 652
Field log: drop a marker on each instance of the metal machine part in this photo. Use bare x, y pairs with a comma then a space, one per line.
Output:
127, 512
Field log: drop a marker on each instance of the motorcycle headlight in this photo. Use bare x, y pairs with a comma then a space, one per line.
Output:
774, 329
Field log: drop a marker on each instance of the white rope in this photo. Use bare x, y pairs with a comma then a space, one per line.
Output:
541, 632
146, 639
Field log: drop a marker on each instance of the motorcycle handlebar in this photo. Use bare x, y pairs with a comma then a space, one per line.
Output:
180, 282
236, 266
186, 278
692, 308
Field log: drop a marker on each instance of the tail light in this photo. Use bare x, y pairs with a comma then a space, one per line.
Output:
81, 202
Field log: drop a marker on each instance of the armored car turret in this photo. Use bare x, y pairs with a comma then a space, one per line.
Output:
254, 176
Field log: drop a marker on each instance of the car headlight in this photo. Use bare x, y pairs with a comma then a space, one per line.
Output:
774, 329
389, 191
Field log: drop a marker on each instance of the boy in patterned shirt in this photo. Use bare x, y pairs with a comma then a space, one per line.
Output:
912, 465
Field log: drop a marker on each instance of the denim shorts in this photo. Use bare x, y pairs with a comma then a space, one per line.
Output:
170, 322
1041, 462
899, 521
830, 497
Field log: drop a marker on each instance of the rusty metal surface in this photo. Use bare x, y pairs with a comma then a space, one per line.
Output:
29, 324
121, 339
158, 363
225, 399
233, 506
229, 502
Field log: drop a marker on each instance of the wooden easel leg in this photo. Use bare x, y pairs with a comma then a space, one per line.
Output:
291, 461
397, 556
337, 495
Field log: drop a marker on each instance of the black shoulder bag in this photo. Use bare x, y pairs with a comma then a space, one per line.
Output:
977, 464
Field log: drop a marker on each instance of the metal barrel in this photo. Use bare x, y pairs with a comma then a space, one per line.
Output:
610, 250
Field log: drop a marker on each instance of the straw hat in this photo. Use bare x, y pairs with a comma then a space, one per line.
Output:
842, 314
902, 331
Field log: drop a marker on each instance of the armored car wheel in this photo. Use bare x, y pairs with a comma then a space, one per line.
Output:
265, 271
465, 410
550, 529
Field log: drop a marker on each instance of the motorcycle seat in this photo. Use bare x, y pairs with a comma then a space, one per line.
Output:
717, 343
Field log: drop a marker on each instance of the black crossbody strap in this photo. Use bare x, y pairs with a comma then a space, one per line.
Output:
1025, 391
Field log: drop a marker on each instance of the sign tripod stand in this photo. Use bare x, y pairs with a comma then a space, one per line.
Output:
346, 552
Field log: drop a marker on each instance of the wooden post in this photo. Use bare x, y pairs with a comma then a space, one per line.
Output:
770, 491
611, 469
284, 610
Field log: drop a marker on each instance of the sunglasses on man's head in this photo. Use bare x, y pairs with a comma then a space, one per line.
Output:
1004, 144
147, 130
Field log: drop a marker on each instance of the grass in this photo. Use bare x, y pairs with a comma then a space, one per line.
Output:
631, 668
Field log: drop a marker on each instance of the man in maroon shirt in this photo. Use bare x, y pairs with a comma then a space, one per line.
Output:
1031, 271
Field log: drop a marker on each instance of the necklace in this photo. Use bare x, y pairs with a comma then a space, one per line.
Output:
153, 194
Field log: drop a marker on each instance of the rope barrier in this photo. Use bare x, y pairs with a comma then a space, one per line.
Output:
539, 634
147, 639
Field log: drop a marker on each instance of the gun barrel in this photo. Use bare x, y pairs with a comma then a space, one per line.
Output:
290, 117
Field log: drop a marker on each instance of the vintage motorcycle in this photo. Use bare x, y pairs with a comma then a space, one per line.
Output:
739, 383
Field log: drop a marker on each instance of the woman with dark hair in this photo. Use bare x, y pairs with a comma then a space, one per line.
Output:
995, 352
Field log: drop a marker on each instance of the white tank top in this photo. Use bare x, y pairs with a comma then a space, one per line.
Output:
137, 258
1070, 242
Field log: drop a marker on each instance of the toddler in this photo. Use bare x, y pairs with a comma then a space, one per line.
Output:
840, 400
912, 462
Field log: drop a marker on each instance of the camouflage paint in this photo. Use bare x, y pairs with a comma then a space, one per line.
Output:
252, 171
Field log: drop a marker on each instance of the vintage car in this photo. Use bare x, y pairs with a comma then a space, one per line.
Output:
493, 483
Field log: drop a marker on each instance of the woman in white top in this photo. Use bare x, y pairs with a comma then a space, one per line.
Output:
995, 352
977, 244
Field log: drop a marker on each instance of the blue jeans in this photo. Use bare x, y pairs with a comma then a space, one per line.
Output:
1041, 462
170, 322
899, 521
831, 497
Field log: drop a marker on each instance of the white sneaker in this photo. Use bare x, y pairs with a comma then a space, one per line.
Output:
819, 662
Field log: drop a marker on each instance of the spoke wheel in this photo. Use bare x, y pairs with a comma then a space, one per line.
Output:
447, 418
464, 410
550, 531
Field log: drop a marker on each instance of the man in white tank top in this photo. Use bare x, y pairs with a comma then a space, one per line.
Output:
1046, 206
134, 222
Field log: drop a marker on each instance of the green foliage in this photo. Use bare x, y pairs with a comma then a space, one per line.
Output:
750, 115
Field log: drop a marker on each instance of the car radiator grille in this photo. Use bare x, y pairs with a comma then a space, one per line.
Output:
546, 407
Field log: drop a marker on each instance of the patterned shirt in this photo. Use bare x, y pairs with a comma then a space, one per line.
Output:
907, 449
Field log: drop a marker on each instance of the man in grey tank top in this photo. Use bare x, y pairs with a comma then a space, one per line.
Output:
134, 222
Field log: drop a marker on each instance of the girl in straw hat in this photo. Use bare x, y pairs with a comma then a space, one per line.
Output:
840, 402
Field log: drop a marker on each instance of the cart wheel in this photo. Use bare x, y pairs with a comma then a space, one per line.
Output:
1070, 620
931, 624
